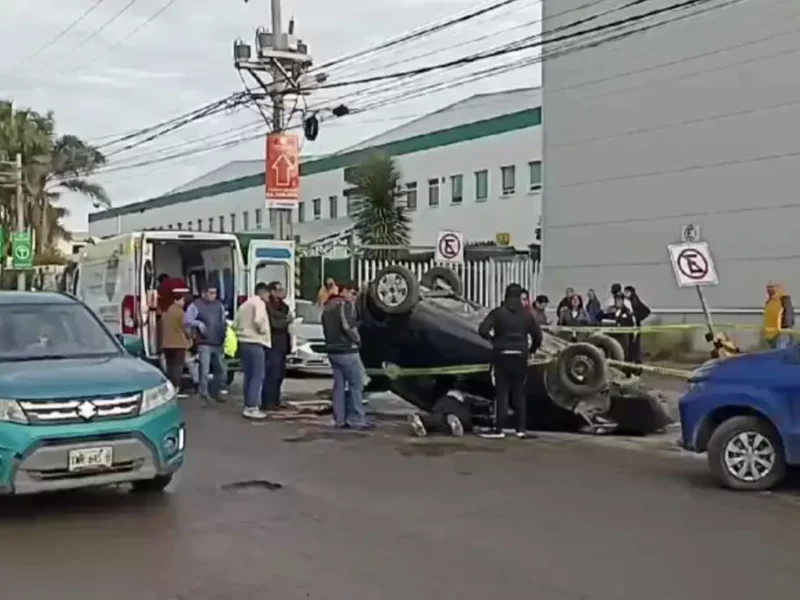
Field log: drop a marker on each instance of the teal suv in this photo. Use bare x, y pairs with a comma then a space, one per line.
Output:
78, 408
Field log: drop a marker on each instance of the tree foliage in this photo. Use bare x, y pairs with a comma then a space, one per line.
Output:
379, 216
52, 165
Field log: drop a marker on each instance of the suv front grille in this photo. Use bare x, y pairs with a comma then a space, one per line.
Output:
81, 410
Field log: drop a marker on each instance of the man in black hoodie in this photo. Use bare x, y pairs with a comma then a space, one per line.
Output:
280, 319
515, 336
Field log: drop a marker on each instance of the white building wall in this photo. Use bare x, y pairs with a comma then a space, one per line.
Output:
690, 123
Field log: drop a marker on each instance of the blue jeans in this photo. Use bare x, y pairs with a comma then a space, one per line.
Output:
782, 341
211, 362
348, 384
253, 359
273, 379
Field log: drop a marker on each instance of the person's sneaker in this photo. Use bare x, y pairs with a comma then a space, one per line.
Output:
417, 425
493, 435
224, 392
252, 412
455, 425
521, 435
182, 395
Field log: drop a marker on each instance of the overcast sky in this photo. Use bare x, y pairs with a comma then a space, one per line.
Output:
183, 59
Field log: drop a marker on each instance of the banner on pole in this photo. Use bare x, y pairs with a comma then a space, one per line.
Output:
282, 170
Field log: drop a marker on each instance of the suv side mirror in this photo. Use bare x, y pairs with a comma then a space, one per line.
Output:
132, 343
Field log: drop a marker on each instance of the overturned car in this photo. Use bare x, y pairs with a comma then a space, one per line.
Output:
420, 340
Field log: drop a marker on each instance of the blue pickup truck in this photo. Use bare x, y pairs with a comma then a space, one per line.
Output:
744, 412
78, 408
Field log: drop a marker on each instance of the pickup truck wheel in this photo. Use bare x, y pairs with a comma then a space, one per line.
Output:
746, 453
581, 370
612, 349
394, 291
155, 485
435, 276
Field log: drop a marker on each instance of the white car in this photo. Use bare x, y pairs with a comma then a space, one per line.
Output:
309, 342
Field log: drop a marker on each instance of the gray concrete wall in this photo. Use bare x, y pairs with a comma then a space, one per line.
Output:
696, 122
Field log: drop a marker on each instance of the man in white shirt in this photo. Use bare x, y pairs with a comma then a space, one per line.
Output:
254, 336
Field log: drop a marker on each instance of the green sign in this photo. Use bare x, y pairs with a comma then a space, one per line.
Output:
21, 250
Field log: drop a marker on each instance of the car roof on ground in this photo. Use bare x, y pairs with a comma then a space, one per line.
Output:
15, 297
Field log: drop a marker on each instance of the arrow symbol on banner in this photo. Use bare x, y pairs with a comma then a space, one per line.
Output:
284, 170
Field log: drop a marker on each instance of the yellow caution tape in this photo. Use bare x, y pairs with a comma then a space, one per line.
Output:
659, 328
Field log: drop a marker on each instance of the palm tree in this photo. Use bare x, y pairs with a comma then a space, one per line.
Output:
52, 165
379, 218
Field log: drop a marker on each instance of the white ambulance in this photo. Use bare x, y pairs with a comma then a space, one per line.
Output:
117, 277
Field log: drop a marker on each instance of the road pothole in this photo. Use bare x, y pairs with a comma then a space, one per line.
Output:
251, 484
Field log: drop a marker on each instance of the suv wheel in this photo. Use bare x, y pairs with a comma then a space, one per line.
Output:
746, 453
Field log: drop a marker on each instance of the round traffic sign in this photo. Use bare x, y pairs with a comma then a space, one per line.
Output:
450, 246
693, 264
22, 252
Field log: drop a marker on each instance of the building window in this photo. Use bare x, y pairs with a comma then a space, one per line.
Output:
433, 192
508, 177
245, 220
411, 196
301, 212
456, 189
535, 170
222, 224
481, 185
316, 206
259, 220
333, 207
180, 226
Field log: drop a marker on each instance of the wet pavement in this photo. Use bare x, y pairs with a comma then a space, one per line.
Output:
292, 510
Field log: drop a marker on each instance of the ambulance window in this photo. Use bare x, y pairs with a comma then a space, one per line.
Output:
267, 272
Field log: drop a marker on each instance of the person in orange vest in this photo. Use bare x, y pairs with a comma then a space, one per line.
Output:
778, 316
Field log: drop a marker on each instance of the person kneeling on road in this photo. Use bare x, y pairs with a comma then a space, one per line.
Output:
515, 336
342, 343
254, 336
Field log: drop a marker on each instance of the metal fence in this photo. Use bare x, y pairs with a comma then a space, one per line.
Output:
484, 280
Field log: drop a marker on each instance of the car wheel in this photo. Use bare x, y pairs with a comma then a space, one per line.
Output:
449, 405
612, 349
581, 370
437, 277
152, 486
746, 453
394, 291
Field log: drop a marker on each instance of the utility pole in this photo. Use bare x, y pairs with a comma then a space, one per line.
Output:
20, 215
285, 60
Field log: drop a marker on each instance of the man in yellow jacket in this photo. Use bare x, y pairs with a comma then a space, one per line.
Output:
778, 316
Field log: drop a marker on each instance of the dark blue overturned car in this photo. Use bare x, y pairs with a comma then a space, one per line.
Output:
744, 412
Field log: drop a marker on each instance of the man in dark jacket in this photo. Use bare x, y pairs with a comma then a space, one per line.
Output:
280, 318
206, 317
515, 336
342, 342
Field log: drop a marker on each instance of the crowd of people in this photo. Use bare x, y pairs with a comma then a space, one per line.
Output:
623, 308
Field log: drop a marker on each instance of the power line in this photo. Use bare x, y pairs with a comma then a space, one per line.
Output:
100, 29
58, 37
125, 38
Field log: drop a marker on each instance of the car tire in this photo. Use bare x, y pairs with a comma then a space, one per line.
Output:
394, 290
731, 438
581, 370
450, 405
449, 277
155, 485
612, 349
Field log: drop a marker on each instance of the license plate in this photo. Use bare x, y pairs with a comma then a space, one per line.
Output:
91, 458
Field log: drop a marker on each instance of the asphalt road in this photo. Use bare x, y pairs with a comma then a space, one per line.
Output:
382, 516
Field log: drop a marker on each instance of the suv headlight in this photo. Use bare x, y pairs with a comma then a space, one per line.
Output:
157, 396
11, 412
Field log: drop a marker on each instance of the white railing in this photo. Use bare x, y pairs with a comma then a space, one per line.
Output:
484, 280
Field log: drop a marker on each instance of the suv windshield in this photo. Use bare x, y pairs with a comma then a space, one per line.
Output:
43, 331
310, 313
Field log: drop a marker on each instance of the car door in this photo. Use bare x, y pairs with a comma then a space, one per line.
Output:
273, 260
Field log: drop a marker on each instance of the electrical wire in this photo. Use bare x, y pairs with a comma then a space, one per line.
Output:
55, 39
127, 37
100, 29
